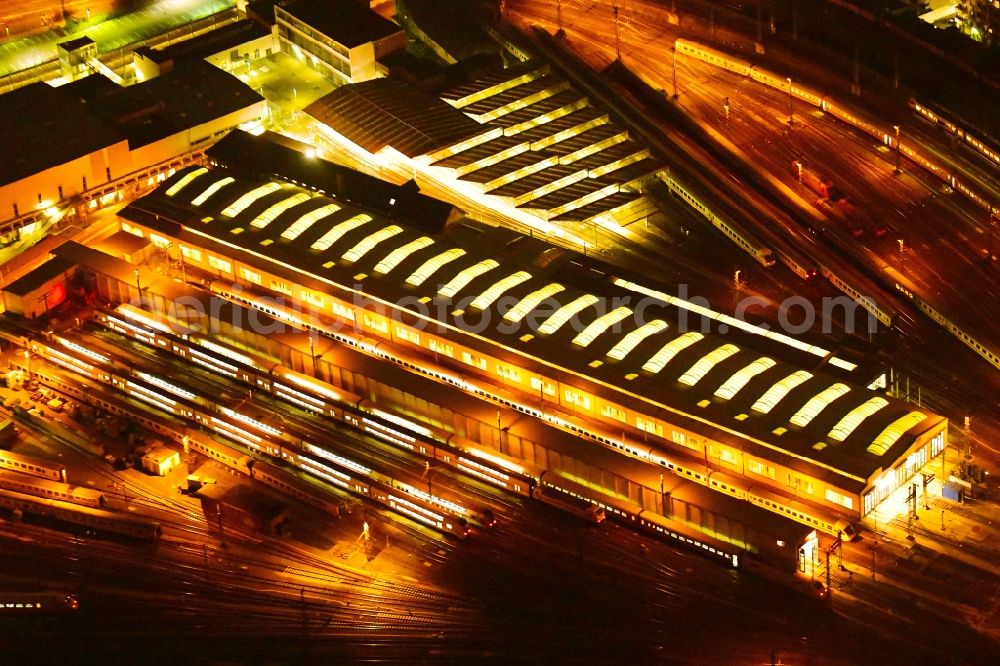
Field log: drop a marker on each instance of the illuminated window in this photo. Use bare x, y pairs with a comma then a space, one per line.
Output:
760, 469
312, 217
509, 372
158, 240
818, 403
728, 456
185, 181
891, 434
649, 426
135, 231
430, 266
441, 347
368, 243
486, 299
212, 189
538, 384
376, 322
407, 334
473, 360
252, 276
632, 339
837, 498
396, 256
247, 199
575, 398
740, 379
565, 313
466, 276
853, 419
705, 364
220, 264
282, 287
337, 232
273, 211
192, 253
312, 298
342, 310
600, 325
777, 393
670, 350
532, 301
612, 412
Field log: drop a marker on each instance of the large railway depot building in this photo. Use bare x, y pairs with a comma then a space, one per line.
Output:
790, 425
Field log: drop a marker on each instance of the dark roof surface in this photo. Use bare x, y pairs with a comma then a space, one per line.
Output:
221, 39
274, 156
346, 22
38, 277
387, 112
42, 127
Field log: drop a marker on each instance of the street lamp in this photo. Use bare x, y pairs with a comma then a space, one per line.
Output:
673, 68
798, 167
138, 286
898, 150
790, 117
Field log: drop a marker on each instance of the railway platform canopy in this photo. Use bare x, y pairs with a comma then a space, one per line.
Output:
520, 137
568, 333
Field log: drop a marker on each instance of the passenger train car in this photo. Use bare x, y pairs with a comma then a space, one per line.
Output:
51, 489
98, 520
43, 469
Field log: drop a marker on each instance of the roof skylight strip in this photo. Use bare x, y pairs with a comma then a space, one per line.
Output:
432, 265
818, 403
212, 189
565, 313
272, 212
486, 299
600, 325
741, 378
244, 201
670, 350
466, 276
891, 434
338, 231
777, 393
400, 253
369, 243
185, 181
312, 217
532, 301
705, 364
853, 418
633, 338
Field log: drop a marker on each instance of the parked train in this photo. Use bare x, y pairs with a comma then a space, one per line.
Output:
43, 469
824, 103
51, 489
37, 603
955, 130
95, 519
444, 515
321, 398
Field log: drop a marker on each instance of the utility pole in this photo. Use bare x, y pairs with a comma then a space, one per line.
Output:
559, 19
673, 69
618, 43
899, 150
790, 117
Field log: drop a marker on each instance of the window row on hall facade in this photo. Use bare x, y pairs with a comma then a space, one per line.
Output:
697, 448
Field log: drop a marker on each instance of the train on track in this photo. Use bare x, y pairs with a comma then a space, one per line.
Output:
43, 469
94, 519
37, 603
51, 489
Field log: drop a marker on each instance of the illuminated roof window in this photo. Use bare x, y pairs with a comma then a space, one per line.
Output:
396, 256
896, 429
818, 403
244, 201
369, 242
466, 276
185, 181
212, 189
777, 393
740, 379
277, 209
853, 419
485, 299
705, 364
532, 301
337, 232
431, 266
632, 339
599, 325
312, 217
565, 313
670, 350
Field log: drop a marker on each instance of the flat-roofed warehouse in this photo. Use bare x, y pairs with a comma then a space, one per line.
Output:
538, 153
611, 356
